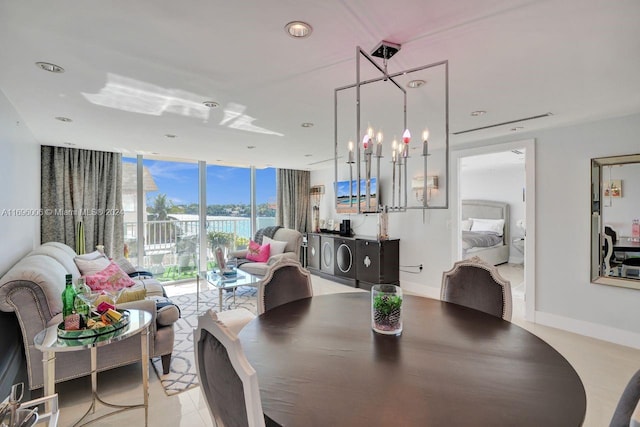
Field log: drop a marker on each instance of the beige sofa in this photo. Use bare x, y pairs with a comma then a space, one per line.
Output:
293, 238
32, 289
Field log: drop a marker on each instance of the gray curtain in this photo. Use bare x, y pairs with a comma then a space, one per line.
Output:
82, 186
293, 199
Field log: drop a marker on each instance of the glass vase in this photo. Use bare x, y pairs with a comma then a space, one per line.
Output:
386, 309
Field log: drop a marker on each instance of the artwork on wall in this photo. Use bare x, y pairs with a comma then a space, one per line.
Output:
613, 188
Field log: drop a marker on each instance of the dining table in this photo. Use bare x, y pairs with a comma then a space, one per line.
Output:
319, 363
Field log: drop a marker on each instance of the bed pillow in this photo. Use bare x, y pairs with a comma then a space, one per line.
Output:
465, 224
277, 246
257, 253
111, 278
491, 225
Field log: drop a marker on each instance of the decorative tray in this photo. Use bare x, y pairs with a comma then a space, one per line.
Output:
92, 333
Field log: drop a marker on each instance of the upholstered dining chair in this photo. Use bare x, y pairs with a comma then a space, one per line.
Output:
476, 284
227, 380
627, 413
284, 282
236, 318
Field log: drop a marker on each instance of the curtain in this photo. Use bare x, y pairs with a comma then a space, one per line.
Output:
293, 199
82, 189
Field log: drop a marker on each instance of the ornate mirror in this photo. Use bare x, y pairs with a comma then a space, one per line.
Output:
615, 221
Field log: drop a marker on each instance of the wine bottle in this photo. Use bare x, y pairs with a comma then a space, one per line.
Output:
68, 297
80, 305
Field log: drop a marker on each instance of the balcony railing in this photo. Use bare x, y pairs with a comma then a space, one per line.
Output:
171, 246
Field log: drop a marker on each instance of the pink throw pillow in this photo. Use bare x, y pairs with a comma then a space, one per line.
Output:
111, 278
257, 253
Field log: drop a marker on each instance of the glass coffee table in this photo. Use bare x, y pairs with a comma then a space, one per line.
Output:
223, 283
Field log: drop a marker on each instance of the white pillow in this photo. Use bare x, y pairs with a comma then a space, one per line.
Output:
492, 225
91, 255
465, 224
277, 246
89, 267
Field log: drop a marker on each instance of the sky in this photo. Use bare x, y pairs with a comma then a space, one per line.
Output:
225, 185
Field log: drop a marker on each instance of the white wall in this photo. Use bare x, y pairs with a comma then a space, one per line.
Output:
565, 297
19, 187
502, 184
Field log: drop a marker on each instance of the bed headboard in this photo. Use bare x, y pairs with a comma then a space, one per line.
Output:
488, 209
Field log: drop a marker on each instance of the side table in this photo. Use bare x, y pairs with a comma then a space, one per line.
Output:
49, 343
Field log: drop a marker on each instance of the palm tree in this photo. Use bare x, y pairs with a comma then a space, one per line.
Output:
161, 207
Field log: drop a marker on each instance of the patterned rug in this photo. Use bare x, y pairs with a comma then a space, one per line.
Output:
183, 374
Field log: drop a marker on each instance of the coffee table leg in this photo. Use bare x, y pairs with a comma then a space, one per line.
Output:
198, 293
220, 290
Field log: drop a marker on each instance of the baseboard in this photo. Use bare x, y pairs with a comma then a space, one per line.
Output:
592, 330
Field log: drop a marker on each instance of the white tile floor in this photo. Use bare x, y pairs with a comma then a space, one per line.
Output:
604, 369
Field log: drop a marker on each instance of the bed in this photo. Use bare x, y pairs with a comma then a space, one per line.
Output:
485, 230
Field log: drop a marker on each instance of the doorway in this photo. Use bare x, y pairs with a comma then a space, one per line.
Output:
503, 173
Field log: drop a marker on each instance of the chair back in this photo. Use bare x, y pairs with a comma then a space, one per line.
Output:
627, 412
475, 284
227, 380
607, 253
284, 282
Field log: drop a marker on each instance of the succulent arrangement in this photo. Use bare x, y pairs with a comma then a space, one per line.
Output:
387, 311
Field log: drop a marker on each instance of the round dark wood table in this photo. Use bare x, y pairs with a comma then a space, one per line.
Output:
320, 364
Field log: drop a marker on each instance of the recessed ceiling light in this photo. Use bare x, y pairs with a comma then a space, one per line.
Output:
414, 84
170, 135
517, 128
478, 113
211, 104
308, 155
307, 125
298, 29
64, 119
52, 68
70, 144
251, 147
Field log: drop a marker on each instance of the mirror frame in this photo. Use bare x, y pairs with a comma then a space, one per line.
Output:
597, 225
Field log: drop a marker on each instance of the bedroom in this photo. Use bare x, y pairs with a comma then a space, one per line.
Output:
492, 191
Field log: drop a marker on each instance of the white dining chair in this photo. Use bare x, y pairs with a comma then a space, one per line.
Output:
227, 380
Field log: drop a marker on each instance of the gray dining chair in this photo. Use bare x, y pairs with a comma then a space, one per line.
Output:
476, 284
227, 380
627, 413
284, 282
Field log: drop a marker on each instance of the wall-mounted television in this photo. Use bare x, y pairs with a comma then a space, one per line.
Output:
348, 203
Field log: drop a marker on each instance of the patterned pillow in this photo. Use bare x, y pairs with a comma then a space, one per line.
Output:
257, 253
126, 265
111, 278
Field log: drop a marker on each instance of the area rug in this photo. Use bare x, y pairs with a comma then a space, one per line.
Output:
183, 375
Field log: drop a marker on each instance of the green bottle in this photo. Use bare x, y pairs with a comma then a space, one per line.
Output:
68, 297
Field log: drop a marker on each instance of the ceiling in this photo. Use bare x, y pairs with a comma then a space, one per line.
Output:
136, 71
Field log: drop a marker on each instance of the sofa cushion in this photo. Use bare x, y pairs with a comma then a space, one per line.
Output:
110, 278
45, 272
60, 255
277, 246
126, 265
258, 253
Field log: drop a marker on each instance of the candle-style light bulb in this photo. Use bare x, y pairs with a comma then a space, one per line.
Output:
425, 144
370, 132
365, 141
406, 136
394, 144
350, 152
379, 137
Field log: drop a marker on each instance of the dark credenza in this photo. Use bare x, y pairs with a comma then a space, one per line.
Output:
355, 261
